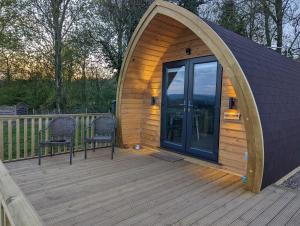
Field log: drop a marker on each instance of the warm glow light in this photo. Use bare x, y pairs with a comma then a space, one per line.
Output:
232, 114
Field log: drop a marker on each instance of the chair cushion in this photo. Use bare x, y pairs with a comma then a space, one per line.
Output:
55, 142
99, 139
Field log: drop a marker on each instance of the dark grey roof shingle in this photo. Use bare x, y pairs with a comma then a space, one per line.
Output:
275, 83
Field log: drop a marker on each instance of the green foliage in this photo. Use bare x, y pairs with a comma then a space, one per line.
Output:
191, 5
39, 94
230, 17
118, 21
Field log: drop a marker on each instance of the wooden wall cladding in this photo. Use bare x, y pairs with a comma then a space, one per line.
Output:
166, 40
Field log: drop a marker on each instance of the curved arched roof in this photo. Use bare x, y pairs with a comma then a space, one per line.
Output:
275, 84
266, 85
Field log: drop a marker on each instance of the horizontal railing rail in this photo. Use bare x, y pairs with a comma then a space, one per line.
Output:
15, 209
19, 134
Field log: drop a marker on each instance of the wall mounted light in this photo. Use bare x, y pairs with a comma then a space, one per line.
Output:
232, 115
232, 103
188, 51
154, 100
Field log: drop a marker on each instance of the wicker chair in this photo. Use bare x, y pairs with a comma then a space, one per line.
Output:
104, 132
61, 133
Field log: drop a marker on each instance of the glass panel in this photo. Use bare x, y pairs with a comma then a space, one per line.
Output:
175, 107
204, 98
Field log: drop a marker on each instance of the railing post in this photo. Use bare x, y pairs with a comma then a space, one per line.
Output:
1, 212
87, 126
40, 126
25, 138
9, 139
77, 133
82, 131
17, 138
1, 141
32, 137
46, 135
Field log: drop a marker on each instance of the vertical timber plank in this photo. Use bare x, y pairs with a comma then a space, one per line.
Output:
18, 138
9, 139
46, 134
92, 127
25, 138
77, 133
87, 124
82, 131
32, 137
1, 141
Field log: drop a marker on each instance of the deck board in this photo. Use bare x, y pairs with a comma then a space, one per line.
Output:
137, 189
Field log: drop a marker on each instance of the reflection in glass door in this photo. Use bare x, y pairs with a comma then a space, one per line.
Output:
204, 109
174, 96
191, 107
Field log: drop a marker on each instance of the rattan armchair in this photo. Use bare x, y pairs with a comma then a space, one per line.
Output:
61, 133
104, 132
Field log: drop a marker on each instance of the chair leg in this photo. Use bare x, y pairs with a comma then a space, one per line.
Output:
51, 151
85, 151
40, 154
94, 146
71, 155
112, 151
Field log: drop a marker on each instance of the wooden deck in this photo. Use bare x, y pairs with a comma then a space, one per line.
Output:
138, 189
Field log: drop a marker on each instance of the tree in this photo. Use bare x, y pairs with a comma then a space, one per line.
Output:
10, 35
293, 37
230, 18
55, 20
191, 5
118, 21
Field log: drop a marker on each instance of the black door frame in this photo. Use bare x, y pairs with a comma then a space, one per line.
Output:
188, 92
205, 154
163, 142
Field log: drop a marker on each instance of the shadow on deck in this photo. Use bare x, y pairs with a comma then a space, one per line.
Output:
138, 189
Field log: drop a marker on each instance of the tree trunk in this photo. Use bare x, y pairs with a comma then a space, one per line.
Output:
58, 73
267, 22
8, 72
83, 94
279, 26
57, 28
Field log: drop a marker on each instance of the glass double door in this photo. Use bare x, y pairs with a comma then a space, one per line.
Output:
191, 107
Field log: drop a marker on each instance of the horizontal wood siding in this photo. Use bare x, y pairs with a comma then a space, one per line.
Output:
150, 133
233, 141
145, 66
166, 40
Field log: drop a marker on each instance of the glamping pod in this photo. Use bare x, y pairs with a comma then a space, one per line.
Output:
190, 86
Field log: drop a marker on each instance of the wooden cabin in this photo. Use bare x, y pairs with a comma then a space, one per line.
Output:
190, 86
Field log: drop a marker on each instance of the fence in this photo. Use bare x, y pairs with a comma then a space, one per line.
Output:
19, 134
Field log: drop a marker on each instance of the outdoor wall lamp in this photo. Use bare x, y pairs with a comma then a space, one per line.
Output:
232, 103
154, 100
188, 51
232, 112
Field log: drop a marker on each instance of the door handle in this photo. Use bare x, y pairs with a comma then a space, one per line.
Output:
183, 105
190, 105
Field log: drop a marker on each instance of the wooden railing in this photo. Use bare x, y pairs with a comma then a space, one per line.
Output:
19, 134
15, 210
